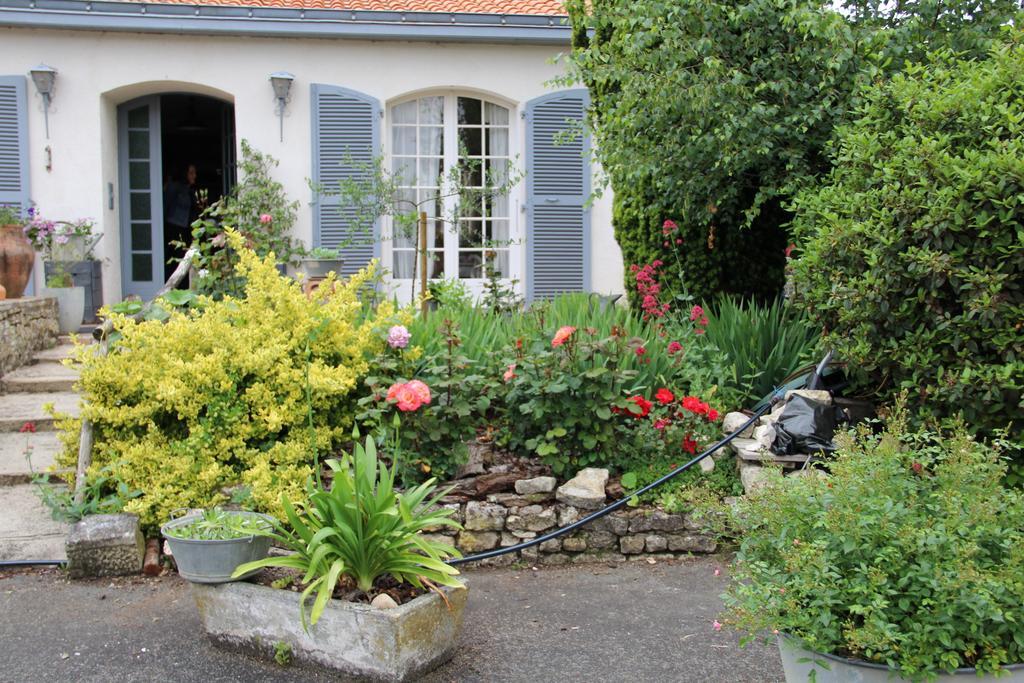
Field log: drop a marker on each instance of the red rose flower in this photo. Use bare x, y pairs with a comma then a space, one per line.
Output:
664, 396
642, 403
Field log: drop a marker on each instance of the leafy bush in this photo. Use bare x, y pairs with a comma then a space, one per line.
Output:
363, 529
259, 209
435, 435
911, 554
713, 127
913, 262
215, 396
762, 344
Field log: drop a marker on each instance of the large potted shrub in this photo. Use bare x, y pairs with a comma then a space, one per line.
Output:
356, 540
906, 563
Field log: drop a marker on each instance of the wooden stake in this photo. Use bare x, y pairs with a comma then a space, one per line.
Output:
423, 263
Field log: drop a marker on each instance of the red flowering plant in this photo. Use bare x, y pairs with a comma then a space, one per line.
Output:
560, 392
667, 430
439, 400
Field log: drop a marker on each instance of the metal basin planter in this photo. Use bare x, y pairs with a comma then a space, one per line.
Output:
320, 267
213, 561
398, 644
798, 664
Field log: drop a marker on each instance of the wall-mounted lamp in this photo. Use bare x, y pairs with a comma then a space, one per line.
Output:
282, 84
44, 76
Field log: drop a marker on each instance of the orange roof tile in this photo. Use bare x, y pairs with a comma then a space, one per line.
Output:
523, 7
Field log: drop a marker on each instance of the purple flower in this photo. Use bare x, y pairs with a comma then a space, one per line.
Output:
398, 337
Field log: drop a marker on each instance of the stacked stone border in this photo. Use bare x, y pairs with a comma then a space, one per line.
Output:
27, 325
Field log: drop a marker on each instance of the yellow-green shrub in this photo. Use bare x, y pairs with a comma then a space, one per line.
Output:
215, 395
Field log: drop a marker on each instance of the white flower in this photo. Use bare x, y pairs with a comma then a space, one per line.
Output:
203, 272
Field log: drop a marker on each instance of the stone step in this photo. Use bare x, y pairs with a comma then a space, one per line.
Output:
42, 377
17, 409
27, 529
15, 468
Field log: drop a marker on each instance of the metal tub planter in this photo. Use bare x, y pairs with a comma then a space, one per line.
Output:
208, 546
799, 664
358, 640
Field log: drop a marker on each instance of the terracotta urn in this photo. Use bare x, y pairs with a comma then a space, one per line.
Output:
16, 260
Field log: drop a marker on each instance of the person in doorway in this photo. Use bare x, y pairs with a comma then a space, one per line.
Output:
182, 207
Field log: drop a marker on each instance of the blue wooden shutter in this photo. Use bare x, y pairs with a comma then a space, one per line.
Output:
558, 185
13, 143
346, 139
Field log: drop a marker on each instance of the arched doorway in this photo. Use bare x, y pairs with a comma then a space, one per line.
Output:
176, 153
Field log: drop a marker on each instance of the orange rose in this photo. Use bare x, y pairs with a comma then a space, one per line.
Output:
562, 335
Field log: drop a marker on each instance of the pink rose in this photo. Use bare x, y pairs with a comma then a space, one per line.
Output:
510, 373
266, 218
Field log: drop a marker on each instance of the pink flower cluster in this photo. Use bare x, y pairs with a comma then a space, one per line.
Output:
699, 319
398, 337
648, 288
669, 228
410, 395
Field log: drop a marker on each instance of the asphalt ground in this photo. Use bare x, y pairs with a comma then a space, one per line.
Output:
637, 622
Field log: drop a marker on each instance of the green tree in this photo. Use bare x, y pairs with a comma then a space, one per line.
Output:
711, 112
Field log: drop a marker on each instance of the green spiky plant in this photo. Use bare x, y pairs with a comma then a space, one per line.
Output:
364, 529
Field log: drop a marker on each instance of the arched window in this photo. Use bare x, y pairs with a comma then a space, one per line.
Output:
430, 136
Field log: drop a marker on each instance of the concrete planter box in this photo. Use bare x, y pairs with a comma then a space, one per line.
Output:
798, 664
399, 644
320, 267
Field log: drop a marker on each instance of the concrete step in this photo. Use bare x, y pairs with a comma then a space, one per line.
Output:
17, 409
15, 468
27, 529
38, 378
54, 355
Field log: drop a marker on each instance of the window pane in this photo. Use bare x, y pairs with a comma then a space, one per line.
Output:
141, 207
497, 262
471, 265
142, 237
497, 233
469, 111
471, 234
142, 267
472, 173
403, 263
497, 206
470, 142
404, 169
405, 112
435, 265
138, 144
435, 234
138, 175
138, 117
403, 140
497, 172
495, 114
431, 141
429, 172
472, 207
497, 142
431, 110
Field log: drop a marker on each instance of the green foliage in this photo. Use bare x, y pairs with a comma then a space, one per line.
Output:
450, 293
911, 554
363, 529
10, 215
214, 395
710, 112
104, 494
282, 653
259, 209
221, 525
559, 399
913, 250
764, 344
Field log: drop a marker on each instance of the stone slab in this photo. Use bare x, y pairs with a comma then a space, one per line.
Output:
105, 545
14, 468
55, 354
27, 531
17, 409
41, 377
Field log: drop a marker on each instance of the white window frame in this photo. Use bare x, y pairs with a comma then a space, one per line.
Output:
516, 251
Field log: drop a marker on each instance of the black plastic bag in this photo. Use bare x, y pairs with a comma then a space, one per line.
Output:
805, 426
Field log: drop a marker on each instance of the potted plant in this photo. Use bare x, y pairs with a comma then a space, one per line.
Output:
905, 563
319, 262
356, 540
71, 249
209, 545
59, 241
16, 254
70, 299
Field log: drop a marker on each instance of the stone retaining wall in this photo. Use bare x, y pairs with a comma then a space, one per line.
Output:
27, 325
506, 519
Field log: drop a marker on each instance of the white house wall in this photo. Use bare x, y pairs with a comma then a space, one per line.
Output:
99, 71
